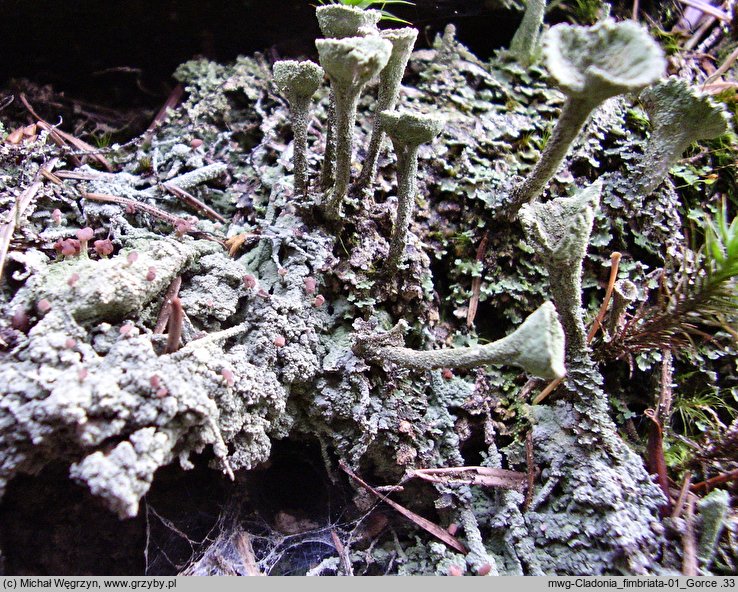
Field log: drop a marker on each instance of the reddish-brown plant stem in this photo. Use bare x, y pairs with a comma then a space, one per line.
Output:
176, 318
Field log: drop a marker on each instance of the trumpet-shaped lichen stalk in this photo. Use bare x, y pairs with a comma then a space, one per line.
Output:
679, 115
590, 65
298, 81
560, 230
403, 41
337, 21
407, 130
525, 44
350, 63
537, 346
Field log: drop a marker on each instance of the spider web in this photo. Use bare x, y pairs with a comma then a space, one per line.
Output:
236, 546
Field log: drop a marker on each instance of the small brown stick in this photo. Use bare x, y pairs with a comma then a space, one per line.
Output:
717, 87
166, 307
689, 545
65, 138
550, 387
476, 284
655, 460
49, 176
171, 103
13, 217
636, 10
174, 331
192, 201
438, 532
8, 227
528, 388
683, 492
342, 554
724, 67
246, 551
124, 201
596, 325
666, 390
724, 478
708, 8
80, 175
699, 33
530, 461
484, 476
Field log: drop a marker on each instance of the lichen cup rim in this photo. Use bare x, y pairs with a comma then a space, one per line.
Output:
592, 60
686, 108
353, 60
339, 21
411, 127
302, 78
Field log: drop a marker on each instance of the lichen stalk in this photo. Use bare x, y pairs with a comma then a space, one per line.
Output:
537, 346
346, 103
566, 290
714, 509
560, 229
390, 79
590, 65
408, 130
300, 107
407, 188
574, 115
328, 172
680, 114
299, 81
350, 64
624, 294
525, 43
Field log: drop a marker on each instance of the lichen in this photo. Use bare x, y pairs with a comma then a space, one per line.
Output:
264, 358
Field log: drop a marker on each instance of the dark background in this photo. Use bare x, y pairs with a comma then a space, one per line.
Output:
122, 53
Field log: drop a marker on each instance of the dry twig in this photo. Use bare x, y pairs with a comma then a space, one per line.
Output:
438, 532
166, 307
689, 545
476, 284
484, 476
192, 201
64, 139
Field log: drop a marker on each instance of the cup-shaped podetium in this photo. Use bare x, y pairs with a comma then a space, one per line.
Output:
390, 79
537, 346
298, 81
350, 64
337, 21
680, 114
559, 230
407, 130
590, 65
